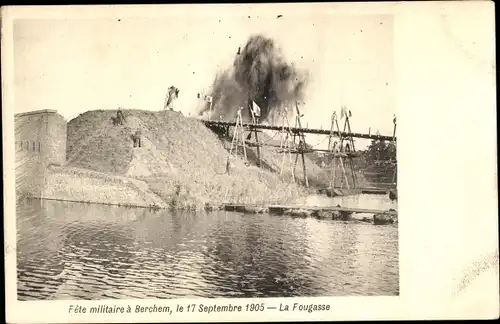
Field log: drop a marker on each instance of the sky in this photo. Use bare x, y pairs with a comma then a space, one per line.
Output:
75, 65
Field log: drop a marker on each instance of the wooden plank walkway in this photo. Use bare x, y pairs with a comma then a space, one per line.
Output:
299, 130
376, 191
354, 191
281, 209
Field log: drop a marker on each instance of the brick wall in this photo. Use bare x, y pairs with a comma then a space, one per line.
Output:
40, 140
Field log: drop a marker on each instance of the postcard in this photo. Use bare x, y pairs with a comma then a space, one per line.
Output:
250, 162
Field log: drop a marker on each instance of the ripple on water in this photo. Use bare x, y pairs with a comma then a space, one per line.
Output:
76, 252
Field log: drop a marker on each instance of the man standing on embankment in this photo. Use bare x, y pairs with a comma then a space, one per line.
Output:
137, 138
172, 94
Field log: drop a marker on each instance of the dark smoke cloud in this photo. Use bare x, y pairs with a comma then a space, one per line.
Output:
259, 73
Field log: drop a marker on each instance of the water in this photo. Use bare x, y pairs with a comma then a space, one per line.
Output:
375, 202
83, 251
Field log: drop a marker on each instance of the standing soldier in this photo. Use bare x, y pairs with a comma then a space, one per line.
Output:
119, 117
302, 146
137, 138
334, 148
172, 94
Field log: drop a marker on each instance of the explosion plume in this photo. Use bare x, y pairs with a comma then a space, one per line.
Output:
259, 73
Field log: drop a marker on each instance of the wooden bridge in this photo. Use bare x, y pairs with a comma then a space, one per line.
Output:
298, 130
341, 156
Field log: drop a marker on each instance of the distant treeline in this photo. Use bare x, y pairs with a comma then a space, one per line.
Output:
379, 153
379, 157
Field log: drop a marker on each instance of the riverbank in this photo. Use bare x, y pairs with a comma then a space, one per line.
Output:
87, 186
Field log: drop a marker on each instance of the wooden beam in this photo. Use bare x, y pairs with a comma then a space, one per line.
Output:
258, 146
303, 146
304, 130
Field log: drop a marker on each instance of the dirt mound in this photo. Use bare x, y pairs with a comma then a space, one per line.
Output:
168, 141
173, 145
93, 143
180, 159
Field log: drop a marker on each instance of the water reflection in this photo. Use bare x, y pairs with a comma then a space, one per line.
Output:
368, 201
70, 250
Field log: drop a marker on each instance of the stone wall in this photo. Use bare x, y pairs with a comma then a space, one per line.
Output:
73, 184
40, 140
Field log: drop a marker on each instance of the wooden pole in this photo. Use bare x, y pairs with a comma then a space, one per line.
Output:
331, 131
332, 152
341, 164
234, 142
334, 172
350, 132
254, 129
354, 180
343, 171
394, 176
295, 163
353, 149
304, 170
303, 147
295, 144
210, 109
242, 136
286, 136
394, 141
282, 143
258, 147
341, 135
344, 131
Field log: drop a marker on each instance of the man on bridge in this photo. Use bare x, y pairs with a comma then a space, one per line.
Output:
255, 112
255, 109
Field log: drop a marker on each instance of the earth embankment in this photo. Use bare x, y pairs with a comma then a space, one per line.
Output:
181, 163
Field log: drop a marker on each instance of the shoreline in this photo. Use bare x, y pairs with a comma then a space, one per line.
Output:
65, 183
375, 217
79, 185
